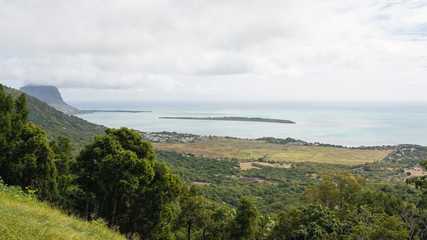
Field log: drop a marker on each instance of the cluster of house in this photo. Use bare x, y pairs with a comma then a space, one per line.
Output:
164, 137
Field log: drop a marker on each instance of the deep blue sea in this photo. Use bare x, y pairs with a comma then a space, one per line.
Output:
348, 123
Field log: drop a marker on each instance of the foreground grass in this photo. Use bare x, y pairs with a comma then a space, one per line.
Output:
253, 150
22, 217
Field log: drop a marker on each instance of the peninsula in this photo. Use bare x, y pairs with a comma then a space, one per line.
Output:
52, 96
240, 119
114, 111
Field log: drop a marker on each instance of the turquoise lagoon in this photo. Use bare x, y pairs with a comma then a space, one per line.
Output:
347, 124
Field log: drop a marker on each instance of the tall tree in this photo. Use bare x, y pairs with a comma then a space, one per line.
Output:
152, 211
113, 167
125, 184
61, 148
371, 223
349, 188
345, 190
287, 225
193, 213
25, 156
244, 224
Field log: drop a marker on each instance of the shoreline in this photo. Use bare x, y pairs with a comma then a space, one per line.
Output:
239, 119
80, 112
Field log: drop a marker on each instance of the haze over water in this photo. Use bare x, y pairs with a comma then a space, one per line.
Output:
348, 124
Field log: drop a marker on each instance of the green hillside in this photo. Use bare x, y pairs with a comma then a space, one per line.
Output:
22, 217
56, 123
118, 177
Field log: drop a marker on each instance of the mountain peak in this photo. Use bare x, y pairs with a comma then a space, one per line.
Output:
50, 95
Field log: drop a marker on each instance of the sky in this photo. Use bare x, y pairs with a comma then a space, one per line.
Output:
232, 50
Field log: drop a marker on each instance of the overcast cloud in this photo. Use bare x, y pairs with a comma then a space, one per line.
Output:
272, 49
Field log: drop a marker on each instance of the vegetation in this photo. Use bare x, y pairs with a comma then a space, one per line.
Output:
281, 187
25, 156
118, 180
125, 184
250, 150
56, 123
23, 217
240, 119
421, 183
288, 140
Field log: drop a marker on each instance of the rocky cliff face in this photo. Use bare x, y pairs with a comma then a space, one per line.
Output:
50, 95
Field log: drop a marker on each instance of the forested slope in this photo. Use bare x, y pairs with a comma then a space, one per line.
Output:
56, 123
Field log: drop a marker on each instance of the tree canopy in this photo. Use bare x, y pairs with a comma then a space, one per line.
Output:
124, 183
26, 159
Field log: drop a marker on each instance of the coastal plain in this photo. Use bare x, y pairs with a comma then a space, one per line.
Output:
251, 150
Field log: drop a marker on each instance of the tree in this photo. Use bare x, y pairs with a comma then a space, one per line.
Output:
25, 156
333, 194
265, 223
310, 222
349, 187
220, 216
415, 219
287, 225
113, 167
327, 194
243, 226
152, 211
62, 154
373, 224
126, 185
193, 213
64, 163
421, 183
6, 115
318, 222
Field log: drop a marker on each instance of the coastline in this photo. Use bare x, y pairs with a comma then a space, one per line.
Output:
240, 119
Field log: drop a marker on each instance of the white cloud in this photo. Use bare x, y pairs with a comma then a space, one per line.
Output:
219, 49
11, 68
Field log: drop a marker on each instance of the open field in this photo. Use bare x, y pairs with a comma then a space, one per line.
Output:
254, 150
259, 165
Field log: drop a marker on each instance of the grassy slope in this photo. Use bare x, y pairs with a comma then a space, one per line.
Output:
22, 217
253, 150
56, 123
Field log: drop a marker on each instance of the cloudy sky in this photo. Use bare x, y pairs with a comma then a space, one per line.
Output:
273, 50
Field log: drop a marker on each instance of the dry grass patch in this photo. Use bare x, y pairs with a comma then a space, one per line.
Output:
255, 179
416, 172
253, 150
201, 183
247, 166
259, 165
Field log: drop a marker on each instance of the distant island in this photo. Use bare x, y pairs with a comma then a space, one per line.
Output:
241, 119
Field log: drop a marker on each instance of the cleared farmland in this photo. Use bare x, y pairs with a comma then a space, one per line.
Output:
254, 150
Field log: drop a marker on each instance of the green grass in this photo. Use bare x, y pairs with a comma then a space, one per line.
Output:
254, 150
22, 217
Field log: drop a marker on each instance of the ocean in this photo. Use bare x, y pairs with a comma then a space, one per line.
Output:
349, 124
